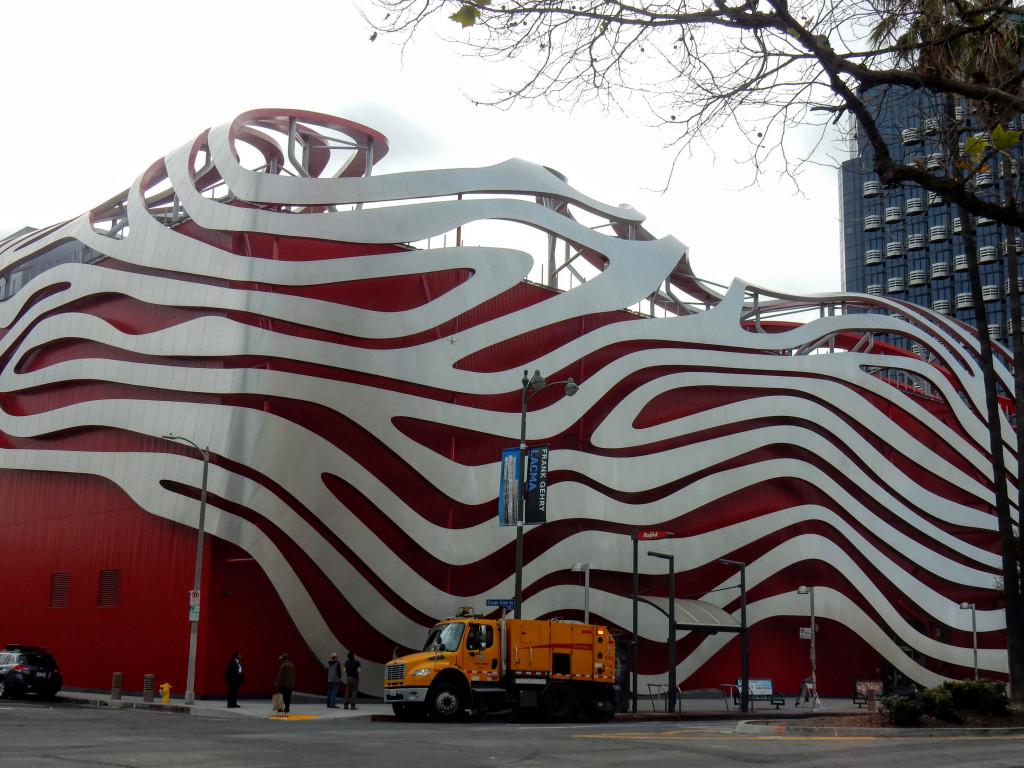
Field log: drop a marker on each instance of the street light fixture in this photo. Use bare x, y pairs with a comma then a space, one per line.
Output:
974, 633
190, 694
672, 627
814, 658
585, 568
744, 647
531, 386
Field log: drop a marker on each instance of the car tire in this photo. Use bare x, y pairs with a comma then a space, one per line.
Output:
446, 702
4, 692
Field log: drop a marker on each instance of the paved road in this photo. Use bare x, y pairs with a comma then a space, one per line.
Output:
41, 735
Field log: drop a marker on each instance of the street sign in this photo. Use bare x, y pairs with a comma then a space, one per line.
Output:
652, 535
805, 633
508, 604
193, 613
193, 597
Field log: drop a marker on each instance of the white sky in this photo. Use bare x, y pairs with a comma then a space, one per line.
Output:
93, 93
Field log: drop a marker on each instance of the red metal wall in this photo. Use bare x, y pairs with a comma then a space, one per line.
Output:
81, 525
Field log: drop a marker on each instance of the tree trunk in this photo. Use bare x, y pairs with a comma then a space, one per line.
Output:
1007, 534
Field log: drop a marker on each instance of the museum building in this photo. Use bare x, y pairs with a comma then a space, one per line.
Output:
327, 361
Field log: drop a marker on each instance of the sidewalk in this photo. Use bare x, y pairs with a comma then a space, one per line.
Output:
689, 706
711, 705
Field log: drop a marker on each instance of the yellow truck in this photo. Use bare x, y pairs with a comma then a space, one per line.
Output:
472, 665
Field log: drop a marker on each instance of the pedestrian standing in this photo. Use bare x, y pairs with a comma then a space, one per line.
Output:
234, 677
351, 680
285, 682
333, 680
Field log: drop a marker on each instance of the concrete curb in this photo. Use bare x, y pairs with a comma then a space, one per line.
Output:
155, 706
763, 728
212, 709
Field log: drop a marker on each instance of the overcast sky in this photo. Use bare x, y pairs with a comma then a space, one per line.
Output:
92, 93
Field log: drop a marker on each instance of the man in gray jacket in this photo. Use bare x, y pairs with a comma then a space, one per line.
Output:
333, 680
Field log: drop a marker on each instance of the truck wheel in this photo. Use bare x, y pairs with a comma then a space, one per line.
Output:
408, 713
559, 703
600, 710
445, 702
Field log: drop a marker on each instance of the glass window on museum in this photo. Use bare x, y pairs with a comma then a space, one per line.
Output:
18, 275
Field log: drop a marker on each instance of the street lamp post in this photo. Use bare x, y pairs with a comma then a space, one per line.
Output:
585, 568
974, 633
672, 627
814, 632
193, 643
531, 386
744, 647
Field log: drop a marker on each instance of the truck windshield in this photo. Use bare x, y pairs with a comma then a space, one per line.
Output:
448, 636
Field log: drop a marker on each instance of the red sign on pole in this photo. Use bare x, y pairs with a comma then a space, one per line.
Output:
652, 535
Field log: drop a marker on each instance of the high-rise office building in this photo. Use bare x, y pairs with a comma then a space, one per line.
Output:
905, 242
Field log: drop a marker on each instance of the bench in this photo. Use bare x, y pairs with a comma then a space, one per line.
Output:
861, 688
760, 689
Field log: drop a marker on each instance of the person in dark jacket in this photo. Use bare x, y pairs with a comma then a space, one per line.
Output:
285, 682
351, 680
234, 677
333, 680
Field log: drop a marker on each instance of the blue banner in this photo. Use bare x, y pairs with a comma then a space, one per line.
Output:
535, 486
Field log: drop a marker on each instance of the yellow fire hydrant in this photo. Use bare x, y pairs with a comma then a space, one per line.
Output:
165, 693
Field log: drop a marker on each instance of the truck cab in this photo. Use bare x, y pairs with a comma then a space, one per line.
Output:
459, 653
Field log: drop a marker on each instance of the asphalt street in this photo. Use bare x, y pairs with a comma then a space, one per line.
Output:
36, 734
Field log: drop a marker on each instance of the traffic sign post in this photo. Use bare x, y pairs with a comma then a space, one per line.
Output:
638, 535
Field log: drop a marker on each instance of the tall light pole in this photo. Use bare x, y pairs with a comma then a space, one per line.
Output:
974, 633
193, 642
814, 632
744, 648
672, 627
531, 386
585, 568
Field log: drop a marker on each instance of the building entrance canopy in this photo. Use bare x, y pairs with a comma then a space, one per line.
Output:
697, 615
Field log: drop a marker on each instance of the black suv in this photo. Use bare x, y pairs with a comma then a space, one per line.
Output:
29, 669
